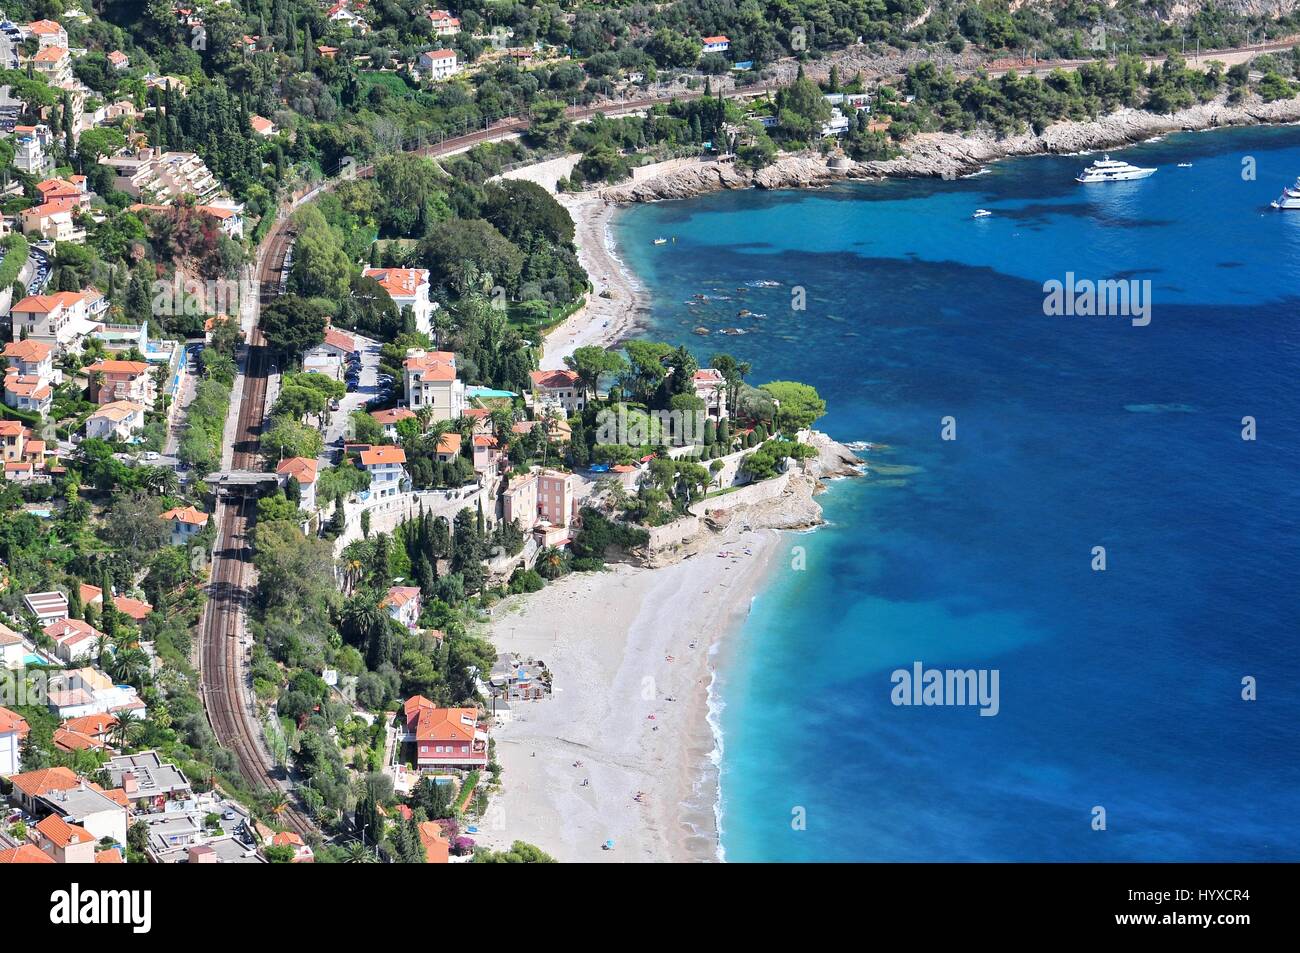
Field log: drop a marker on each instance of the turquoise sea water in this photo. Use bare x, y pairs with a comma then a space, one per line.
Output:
1118, 689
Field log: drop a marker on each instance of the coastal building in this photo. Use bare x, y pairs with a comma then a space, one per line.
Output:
389, 419
448, 448
302, 469
443, 738
438, 65
31, 145
64, 843
162, 177
329, 356
186, 523
437, 849
431, 381
114, 380
75, 640
118, 420
119, 60
47, 606
53, 221
387, 470
444, 24
711, 387
13, 649
263, 126
32, 359
89, 733
409, 288
541, 500
61, 319
28, 393
48, 33
403, 604
87, 691
102, 813
716, 44
53, 64
302, 854
148, 781
13, 729
558, 388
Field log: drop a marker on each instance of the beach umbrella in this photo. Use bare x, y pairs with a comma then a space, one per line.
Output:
609, 845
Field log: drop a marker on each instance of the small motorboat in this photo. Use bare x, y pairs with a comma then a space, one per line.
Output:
1184, 165
661, 241
981, 213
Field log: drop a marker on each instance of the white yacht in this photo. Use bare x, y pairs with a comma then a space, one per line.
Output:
1112, 170
1290, 197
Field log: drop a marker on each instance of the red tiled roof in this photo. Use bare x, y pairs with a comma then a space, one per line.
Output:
377, 456
25, 854
302, 469
63, 834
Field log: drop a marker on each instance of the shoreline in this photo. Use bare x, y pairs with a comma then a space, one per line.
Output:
953, 155
603, 321
621, 643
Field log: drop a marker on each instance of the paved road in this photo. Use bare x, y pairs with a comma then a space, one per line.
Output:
367, 387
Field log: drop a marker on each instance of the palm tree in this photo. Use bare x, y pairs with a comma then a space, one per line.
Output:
277, 803
161, 480
359, 853
129, 666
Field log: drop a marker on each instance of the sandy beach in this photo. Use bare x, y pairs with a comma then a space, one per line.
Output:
603, 320
620, 644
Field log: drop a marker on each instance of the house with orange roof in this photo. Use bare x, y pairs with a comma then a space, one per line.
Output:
27, 392
88, 733
116, 420
30, 785
90, 595
53, 221
13, 439
113, 380
439, 64
74, 639
444, 24
229, 217
389, 419
186, 522
443, 737
558, 388
13, 729
329, 355
327, 52
430, 380
711, 387
136, 610
32, 359
25, 854
119, 60
302, 469
403, 603
110, 856
716, 44
409, 288
485, 453
386, 466
65, 843
448, 448
61, 319
54, 63
302, 854
263, 126
85, 804
437, 849
48, 33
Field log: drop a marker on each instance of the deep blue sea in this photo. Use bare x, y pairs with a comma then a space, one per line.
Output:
1120, 689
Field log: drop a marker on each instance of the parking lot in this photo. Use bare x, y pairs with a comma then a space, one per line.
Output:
367, 387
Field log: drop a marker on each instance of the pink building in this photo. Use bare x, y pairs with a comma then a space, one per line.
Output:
444, 737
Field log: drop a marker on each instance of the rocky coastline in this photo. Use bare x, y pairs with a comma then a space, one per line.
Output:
948, 155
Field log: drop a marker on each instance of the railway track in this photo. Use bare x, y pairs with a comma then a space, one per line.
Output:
224, 689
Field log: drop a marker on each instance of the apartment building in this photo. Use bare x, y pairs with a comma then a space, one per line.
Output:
431, 381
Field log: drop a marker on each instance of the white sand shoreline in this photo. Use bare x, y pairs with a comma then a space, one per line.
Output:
621, 644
